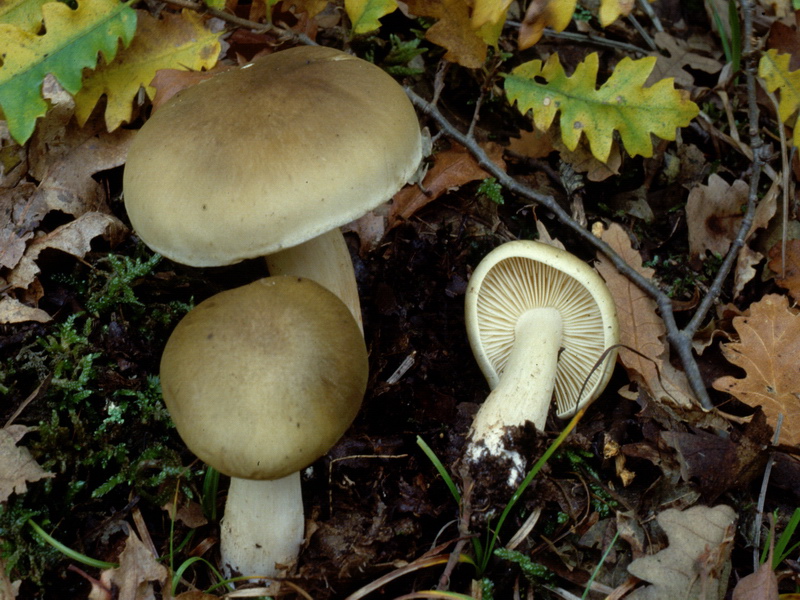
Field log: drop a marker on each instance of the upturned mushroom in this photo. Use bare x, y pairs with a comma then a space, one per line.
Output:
538, 320
269, 160
261, 381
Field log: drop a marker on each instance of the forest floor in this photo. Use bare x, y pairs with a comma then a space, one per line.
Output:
89, 453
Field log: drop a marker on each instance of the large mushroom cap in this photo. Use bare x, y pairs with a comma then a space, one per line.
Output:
263, 379
279, 151
521, 275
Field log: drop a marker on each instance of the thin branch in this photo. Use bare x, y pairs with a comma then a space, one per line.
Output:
679, 340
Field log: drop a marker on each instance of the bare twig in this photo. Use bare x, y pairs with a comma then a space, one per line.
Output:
680, 340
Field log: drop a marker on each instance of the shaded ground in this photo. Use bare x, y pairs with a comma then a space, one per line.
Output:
376, 502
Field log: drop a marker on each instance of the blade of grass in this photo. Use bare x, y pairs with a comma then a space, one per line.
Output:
69, 552
440, 468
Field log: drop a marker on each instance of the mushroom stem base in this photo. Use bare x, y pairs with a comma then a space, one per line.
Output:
263, 526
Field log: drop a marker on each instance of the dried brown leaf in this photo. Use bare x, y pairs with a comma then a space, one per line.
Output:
17, 466
761, 585
14, 311
641, 328
451, 169
714, 214
73, 238
138, 568
768, 347
452, 31
696, 563
682, 53
788, 272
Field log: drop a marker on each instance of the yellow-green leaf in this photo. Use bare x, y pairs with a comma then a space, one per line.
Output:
172, 42
489, 11
773, 68
611, 10
364, 14
25, 14
621, 104
71, 43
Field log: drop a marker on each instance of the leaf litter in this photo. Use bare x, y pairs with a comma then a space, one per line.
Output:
644, 463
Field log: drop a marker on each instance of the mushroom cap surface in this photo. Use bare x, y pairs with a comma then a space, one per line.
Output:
270, 155
524, 274
263, 379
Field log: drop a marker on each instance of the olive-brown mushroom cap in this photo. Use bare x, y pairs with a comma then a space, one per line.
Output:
263, 379
267, 156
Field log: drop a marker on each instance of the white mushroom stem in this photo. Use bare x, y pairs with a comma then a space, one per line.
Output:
326, 260
526, 384
263, 526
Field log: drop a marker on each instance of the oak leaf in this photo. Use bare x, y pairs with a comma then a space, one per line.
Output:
788, 274
138, 568
452, 168
644, 352
621, 104
17, 467
696, 563
364, 14
611, 10
25, 14
767, 350
452, 31
555, 14
71, 43
714, 214
681, 54
773, 68
176, 41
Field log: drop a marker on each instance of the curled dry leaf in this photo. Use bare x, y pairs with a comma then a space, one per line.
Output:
788, 271
642, 331
768, 347
73, 238
138, 568
451, 169
714, 214
761, 585
696, 563
17, 466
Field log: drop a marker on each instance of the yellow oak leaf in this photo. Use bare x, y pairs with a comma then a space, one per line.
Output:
72, 41
555, 14
25, 14
773, 68
611, 10
452, 30
767, 350
488, 18
364, 14
173, 42
621, 104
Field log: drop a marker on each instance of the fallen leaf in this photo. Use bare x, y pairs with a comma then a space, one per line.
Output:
641, 328
14, 311
168, 82
452, 30
696, 563
785, 40
73, 238
8, 589
768, 347
451, 169
714, 215
172, 41
138, 568
17, 466
556, 14
761, 585
611, 10
682, 53
788, 274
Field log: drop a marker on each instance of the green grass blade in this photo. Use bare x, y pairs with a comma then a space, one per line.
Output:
440, 468
69, 552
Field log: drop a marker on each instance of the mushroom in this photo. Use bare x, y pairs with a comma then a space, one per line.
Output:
261, 381
270, 159
538, 320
